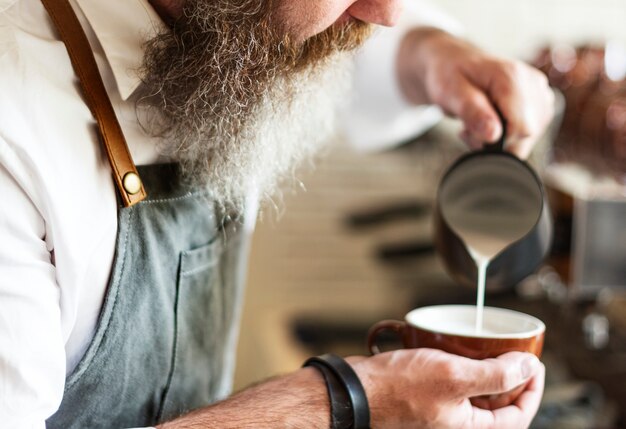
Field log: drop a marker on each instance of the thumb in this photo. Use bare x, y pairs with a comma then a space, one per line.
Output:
492, 376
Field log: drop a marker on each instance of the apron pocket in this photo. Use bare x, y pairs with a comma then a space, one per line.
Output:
197, 363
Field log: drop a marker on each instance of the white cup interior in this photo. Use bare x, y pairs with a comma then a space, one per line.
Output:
461, 320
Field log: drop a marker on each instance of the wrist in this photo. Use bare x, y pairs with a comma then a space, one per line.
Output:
414, 56
365, 369
348, 400
309, 386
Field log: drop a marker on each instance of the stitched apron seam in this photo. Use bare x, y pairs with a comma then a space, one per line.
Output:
170, 376
183, 197
198, 269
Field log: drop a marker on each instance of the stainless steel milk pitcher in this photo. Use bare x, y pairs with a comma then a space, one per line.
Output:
492, 189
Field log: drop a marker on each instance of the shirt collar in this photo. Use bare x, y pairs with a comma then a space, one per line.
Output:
122, 27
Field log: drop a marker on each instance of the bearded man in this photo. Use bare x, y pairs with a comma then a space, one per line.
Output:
116, 312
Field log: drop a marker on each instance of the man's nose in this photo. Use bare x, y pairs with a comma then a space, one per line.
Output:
381, 12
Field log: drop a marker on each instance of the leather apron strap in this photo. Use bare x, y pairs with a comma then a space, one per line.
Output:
125, 173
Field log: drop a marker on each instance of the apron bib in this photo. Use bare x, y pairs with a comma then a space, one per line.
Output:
166, 336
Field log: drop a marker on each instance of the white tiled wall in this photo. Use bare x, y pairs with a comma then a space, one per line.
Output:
519, 27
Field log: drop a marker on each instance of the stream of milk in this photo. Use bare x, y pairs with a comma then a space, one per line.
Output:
482, 247
490, 205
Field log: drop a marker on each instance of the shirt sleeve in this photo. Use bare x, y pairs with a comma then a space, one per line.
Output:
32, 356
377, 115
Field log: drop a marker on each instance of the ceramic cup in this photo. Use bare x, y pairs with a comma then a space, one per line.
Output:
451, 328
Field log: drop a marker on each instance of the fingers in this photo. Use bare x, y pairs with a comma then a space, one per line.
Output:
470, 104
522, 147
492, 376
471, 85
523, 96
519, 415
530, 399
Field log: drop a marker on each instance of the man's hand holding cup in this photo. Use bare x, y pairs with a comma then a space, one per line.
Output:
452, 377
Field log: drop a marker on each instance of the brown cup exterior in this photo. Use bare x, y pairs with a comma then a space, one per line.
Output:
470, 347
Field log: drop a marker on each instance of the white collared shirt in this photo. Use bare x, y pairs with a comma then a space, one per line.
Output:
58, 210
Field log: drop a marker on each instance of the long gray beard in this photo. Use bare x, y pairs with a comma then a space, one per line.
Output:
288, 126
236, 100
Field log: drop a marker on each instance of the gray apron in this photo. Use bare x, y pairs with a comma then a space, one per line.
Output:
166, 335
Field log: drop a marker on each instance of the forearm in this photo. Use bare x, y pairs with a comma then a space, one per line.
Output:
297, 400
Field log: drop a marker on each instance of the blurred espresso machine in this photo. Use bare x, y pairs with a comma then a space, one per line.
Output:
585, 276
586, 178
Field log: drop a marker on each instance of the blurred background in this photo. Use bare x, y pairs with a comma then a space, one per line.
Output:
355, 245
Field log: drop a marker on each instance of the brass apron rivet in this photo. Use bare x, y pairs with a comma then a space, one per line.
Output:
132, 183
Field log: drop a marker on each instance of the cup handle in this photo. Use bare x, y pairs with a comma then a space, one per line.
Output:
385, 325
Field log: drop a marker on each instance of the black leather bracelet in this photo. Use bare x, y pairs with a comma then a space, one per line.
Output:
341, 415
358, 399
